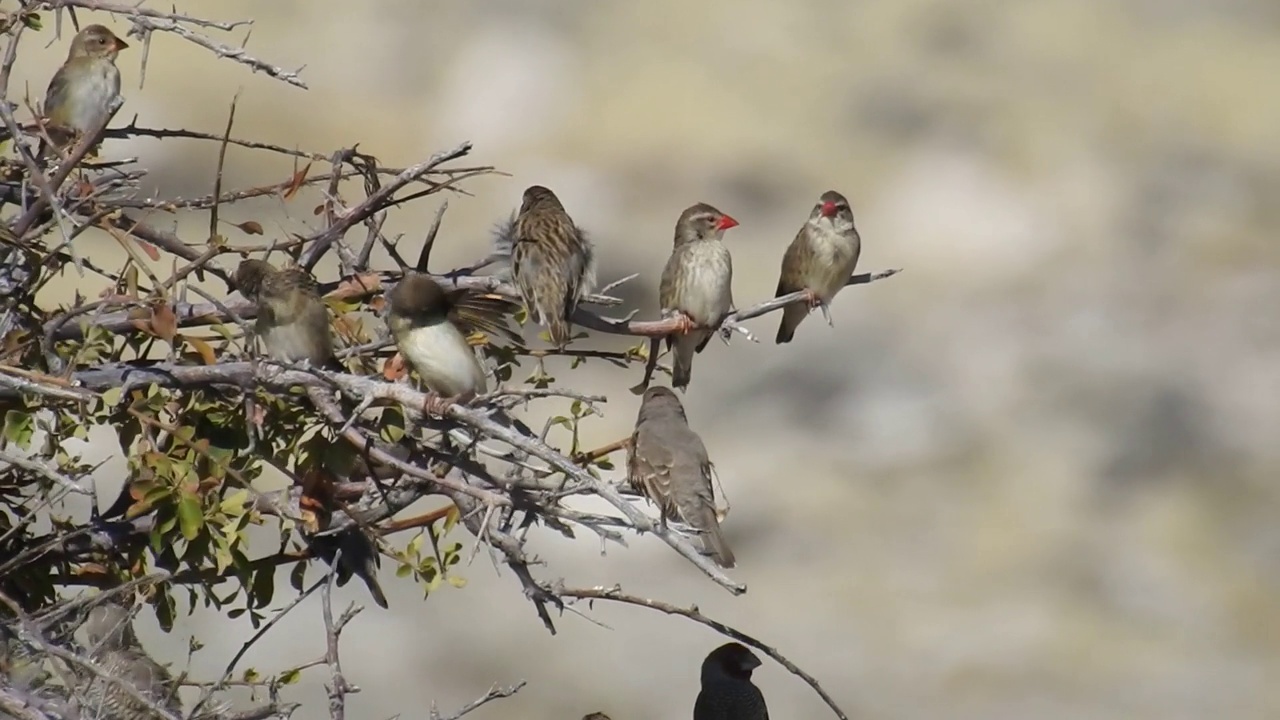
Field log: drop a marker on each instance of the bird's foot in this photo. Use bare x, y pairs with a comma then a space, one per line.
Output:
826, 314
437, 404
685, 324
811, 298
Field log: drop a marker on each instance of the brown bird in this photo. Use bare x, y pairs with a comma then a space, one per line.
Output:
552, 261
819, 261
430, 327
727, 691
667, 463
114, 648
698, 282
293, 322
82, 90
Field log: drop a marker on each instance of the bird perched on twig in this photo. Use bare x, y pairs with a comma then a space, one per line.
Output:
84, 87
430, 326
667, 463
114, 648
819, 261
698, 283
552, 260
727, 691
293, 322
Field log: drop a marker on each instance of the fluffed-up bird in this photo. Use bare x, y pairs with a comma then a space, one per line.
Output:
819, 261
667, 463
698, 282
113, 647
83, 88
552, 261
430, 326
727, 691
293, 322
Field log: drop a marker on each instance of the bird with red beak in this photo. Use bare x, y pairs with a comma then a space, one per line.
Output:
819, 261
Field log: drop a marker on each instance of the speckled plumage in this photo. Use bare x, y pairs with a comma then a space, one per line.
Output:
821, 259
83, 88
727, 691
431, 325
668, 464
113, 647
552, 261
293, 322
697, 281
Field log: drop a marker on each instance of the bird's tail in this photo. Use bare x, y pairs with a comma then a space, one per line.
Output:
682, 362
713, 543
359, 557
559, 329
791, 317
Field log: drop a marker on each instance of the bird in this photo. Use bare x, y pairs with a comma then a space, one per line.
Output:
595, 716
359, 557
819, 261
293, 322
113, 647
667, 463
552, 260
697, 281
82, 90
727, 691
430, 327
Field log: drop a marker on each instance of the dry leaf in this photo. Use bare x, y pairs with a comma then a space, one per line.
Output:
394, 368
164, 323
149, 249
296, 182
357, 285
203, 348
250, 227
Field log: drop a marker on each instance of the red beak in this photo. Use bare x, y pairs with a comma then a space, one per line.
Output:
726, 222
828, 209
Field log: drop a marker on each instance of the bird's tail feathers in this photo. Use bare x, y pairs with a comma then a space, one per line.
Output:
791, 317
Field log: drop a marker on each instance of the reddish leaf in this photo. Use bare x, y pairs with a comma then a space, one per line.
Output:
394, 369
203, 348
296, 182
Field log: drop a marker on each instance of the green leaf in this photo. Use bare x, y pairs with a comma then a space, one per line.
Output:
18, 428
264, 586
458, 582
190, 516
234, 503
32, 21
111, 397
290, 677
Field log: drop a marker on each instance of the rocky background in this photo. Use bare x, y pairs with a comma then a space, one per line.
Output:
1033, 476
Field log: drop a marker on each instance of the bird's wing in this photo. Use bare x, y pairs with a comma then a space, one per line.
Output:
650, 465
789, 280
485, 312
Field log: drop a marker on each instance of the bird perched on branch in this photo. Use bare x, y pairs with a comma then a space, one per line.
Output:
430, 326
552, 261
667, 463
697, 282
115, 650
359, 552
83, 89
727, 691
293, 322
819, 261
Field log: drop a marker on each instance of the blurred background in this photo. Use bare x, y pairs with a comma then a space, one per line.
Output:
1033, 476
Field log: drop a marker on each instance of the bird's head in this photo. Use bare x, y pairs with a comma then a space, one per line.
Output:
537, 197
732, 660
108, 626
702, 222
833, 208
660, 401
96, 41
416, 295
249, 277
